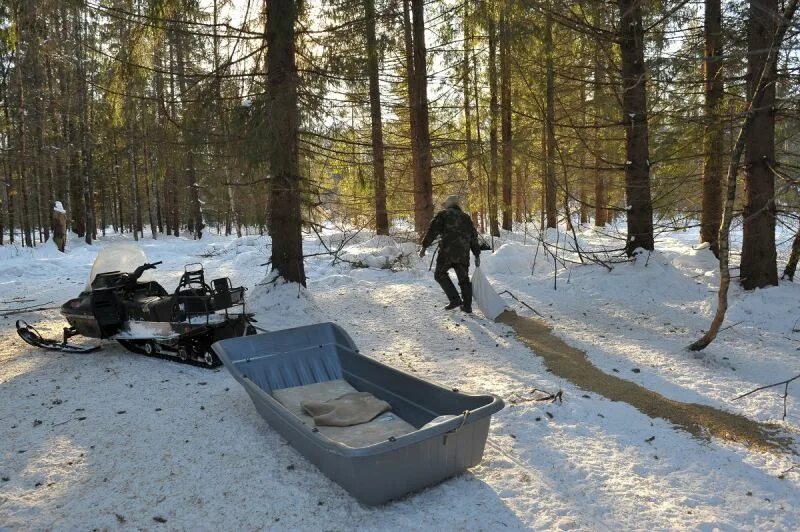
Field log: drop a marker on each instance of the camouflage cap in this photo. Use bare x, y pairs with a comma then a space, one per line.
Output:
451, 201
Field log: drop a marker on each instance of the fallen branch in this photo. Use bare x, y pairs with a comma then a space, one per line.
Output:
522, 302
785, 391
556, 397
15, 300
23, 311
732, 325
15, 309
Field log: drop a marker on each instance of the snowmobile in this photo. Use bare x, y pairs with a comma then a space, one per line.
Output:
119, 304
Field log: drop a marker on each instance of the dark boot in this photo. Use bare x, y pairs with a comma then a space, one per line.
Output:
450, 291
453, 304
466, 296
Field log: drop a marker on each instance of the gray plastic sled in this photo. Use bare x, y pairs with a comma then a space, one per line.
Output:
268, 363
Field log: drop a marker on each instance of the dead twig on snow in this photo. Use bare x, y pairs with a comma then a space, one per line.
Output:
785, 391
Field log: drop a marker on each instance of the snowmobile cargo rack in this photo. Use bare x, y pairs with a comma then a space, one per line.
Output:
374, 474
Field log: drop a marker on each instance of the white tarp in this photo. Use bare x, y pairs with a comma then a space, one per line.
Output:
490, 303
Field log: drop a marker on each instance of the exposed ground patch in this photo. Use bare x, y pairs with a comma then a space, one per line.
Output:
699, 420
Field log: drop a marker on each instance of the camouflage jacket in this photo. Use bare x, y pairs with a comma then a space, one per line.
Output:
458, 236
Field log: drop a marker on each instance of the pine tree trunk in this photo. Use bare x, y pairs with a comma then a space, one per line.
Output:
285, 222
9, 191
467, 118
505, 95
714, 136
599, 184
584, 195
159, 219
482, 178
634, 115
378, 165
423, 197
37, 34
86, 154
493, 119
408, 41
195, 215
22, 132
551, 192
521, 191
759, 258
148, 184
794, 256
133, 181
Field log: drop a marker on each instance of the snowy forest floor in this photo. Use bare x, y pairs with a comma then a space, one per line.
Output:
115, 440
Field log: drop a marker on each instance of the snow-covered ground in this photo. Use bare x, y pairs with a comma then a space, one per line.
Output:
112, 440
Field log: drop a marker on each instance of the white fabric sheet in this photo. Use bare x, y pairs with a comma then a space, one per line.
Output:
490, 303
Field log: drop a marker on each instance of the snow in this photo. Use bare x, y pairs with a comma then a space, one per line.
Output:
114, 440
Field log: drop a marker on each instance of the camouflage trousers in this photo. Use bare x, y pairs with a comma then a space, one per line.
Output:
442, 277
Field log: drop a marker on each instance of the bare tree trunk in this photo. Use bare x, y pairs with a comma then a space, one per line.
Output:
584, 195
22, 155
285, 188
467, 118
599, 184
794, 256
550, 189
195, 215
9, 189
378, 166
521, 191
423, 197
86, 152
634, 113
759, 257
148, 185
493, 119
545, 180
714, 137
505, 95
135, 212
408, 41
483, 198
37, 32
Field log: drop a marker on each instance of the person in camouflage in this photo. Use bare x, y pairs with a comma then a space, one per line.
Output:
457, 238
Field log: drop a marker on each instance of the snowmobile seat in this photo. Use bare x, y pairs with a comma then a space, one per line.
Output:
155, 308
195, 302
151, 288
225, 296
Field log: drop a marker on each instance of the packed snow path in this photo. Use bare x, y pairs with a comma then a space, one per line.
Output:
702, 421
116, 440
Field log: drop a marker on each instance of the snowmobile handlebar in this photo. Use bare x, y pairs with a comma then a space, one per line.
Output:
134, 276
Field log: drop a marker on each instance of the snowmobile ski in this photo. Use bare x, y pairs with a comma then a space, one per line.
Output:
32, 336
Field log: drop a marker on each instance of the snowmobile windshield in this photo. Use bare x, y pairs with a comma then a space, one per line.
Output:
120, 257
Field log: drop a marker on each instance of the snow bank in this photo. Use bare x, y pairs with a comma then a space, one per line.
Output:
288, 304
772, 309
381, 252
510, 259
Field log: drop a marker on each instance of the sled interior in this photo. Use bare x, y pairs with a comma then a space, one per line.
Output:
274, 367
